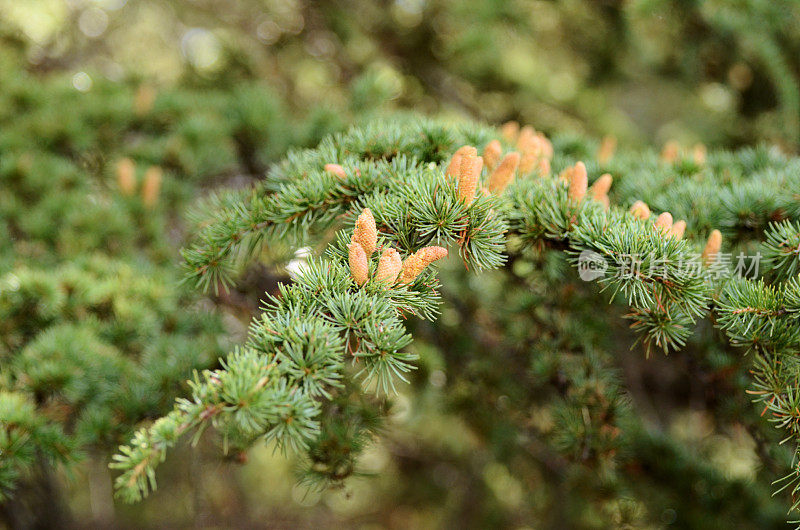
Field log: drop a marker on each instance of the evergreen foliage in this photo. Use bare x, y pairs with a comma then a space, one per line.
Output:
97, 334
529, 392
326, 329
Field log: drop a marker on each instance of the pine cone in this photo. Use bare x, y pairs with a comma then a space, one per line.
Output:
359, 268
503, 175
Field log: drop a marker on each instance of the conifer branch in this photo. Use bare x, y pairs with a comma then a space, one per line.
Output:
395, 191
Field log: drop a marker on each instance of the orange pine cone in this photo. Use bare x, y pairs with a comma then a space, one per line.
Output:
640, 210
468, 177
492, 153
678, 229
510, 131
389, 266
713, 247
602, 185
359, 267
670, 151
664, 222
578, 182
608, 147
126, 176
526, 140
545, 145
503, 175
416, 262
528, 162
336, 169
454, 167
431, 254
366, 233
151, 186
411, 268
544, 167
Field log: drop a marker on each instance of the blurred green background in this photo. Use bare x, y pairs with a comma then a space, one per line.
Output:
724, 72
215, 92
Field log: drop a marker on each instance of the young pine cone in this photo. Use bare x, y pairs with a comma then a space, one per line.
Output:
359, 267
454, 167
510, 131
600, 188
468, 176
416, 262
527, 139
151, 186
336, 169
713, 247
528, 161
126, 176
544, 167
432, 254
578, 182
492, 153
678, 229
664, 222
670, 151
389, 267
607, 148
545, 145
602, 185
503, 175
366, 233
640, 210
